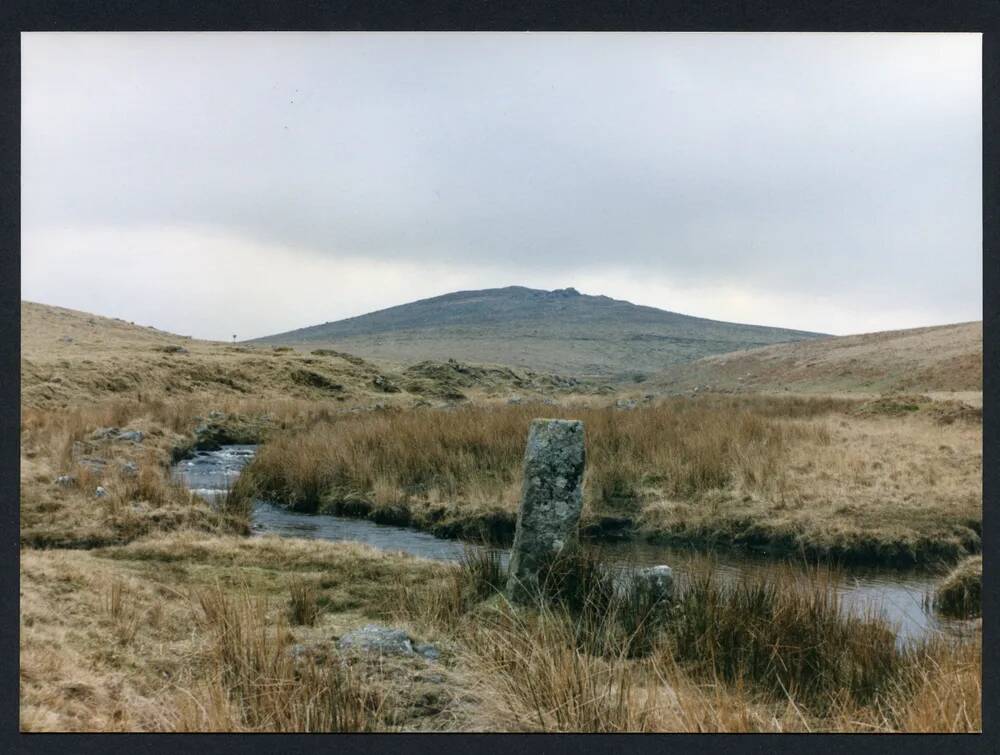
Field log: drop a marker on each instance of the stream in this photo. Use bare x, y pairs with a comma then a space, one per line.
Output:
899, 595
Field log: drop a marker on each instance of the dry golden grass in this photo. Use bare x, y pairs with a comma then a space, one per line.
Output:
812, 476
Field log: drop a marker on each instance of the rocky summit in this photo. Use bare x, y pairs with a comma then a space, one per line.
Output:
561, 331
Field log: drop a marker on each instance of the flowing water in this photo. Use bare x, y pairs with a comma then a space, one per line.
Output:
900, 595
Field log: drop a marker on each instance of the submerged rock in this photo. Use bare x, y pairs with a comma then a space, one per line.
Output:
657, 582
549, 517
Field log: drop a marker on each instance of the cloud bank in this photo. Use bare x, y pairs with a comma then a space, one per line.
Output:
218, 183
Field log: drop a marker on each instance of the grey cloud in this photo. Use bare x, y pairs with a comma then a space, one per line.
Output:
843, 165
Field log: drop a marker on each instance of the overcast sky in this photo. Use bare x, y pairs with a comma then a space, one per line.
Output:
220, 184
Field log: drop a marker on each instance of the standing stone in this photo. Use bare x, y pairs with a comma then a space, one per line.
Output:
550, 502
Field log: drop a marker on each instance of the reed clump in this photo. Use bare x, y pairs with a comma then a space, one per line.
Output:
303, 603
258, 685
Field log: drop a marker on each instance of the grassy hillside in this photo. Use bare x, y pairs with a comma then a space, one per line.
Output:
559, 331
70, 357
942, 358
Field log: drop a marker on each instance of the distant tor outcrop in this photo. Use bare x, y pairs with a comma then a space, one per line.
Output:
560, 331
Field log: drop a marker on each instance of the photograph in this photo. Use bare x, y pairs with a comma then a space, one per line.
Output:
505, 382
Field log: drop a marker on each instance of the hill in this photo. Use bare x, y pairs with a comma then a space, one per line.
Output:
940, 358
70, 357
560, 331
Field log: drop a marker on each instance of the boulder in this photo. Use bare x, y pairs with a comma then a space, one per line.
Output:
552, 497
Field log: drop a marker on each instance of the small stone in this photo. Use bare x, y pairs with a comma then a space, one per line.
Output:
132, 436
66, 480
625, 403
100, 492
129, 469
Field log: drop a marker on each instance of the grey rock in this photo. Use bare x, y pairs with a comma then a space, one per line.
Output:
374, 638
428, 651
104, 433
625, 403
382, 383
129, 469
552, 496
514, 400
132, 436
100, 492
657, 581
66, 480
215, 414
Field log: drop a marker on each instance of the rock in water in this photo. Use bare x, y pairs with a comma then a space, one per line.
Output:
657, 582
552, 497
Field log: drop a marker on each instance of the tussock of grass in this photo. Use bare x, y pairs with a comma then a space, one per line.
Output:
960, 594
303, 603
257, 685
789, 636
